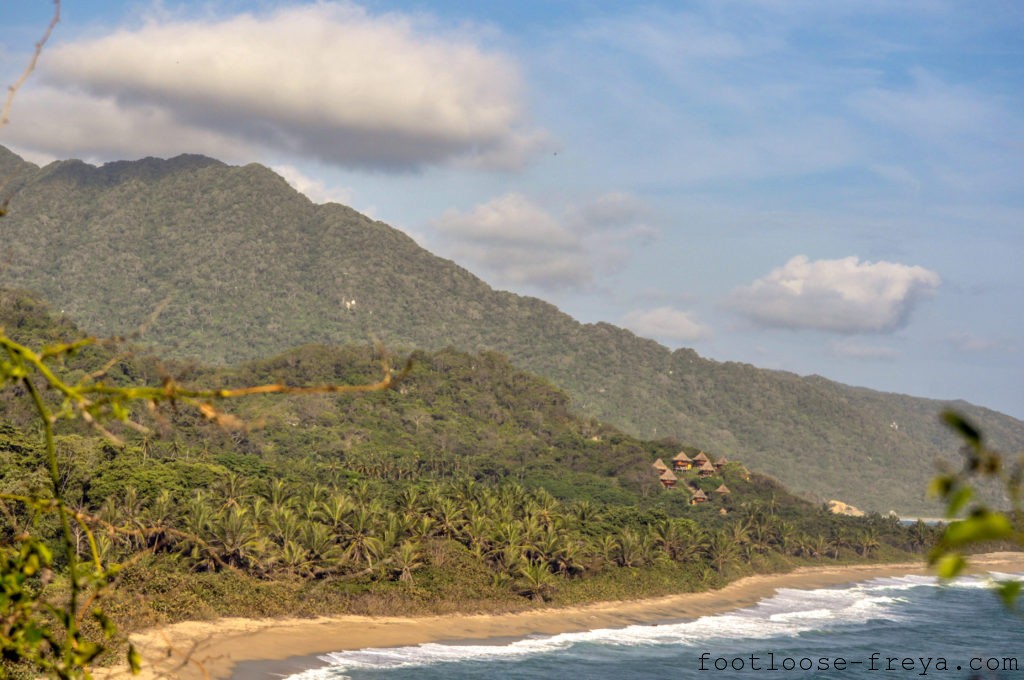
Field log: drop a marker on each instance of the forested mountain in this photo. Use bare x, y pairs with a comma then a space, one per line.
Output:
251, 268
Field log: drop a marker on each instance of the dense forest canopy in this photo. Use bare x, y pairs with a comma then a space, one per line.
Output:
469, 485
252, 268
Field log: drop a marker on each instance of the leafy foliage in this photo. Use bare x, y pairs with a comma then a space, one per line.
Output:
434, 492
974, 524
252, 268
44, 630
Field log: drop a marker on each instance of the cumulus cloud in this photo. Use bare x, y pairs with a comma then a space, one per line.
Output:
665, 323
521, 243
326, 81
843, 296
313, 189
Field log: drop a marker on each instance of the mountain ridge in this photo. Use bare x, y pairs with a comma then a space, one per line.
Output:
252, 267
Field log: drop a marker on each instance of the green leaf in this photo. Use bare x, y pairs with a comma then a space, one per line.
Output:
961, 425
958, 500
983, 525
109, 629
950, 565
1009, 592
134, 659
940, 486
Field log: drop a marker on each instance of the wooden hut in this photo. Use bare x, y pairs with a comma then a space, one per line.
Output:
721, 463
700, 459
667, 479
706, 469
723, 490
682, 461
659, 465
698, 497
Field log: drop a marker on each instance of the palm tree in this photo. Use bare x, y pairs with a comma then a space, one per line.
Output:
235, 538
449, 517
867, 541
279, 495
740, 531
335, 511
324, 553
295, 558
568, 560
668, 537
233, 488
585, 512
409, 501
722, 550
633, 550
819, 545
836, 540
364, 545
536, 581
283, 525
920, 535
407, 559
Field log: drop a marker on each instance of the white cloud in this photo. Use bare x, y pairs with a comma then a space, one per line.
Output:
313, 189
665, 323
521, 243
326, 81
844, 296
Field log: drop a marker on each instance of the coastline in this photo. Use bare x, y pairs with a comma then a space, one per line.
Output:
211, 649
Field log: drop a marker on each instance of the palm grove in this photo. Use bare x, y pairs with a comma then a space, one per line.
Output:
468, 485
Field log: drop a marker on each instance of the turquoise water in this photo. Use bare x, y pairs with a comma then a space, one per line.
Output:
907, 627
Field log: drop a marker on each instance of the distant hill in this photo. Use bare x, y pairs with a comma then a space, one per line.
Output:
251, 268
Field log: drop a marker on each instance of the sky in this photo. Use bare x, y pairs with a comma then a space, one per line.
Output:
831, 188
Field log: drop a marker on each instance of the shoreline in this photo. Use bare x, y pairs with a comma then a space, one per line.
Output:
212, 649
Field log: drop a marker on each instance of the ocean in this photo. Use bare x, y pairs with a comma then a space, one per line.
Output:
884, 628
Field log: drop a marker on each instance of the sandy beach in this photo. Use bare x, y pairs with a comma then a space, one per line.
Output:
211, 649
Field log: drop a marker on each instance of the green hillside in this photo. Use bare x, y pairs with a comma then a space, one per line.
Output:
252, 268
469, 486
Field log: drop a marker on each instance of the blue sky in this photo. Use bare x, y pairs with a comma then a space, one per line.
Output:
820, 187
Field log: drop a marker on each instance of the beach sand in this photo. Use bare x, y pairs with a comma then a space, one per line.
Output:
211, 649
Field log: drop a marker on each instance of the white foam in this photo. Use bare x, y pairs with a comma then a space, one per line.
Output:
788, 613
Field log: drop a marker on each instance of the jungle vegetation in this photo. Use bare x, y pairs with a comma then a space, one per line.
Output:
468, 485
251, 268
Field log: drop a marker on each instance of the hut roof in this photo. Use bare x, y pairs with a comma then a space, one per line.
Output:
659, 465
706, 466
701, 457
682, 457
698, 494
720, 462
723, 489
668, 476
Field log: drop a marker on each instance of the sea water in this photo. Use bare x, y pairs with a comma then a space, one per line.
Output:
882, 629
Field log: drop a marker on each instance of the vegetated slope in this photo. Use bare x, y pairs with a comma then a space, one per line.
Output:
469, 487
251, 267
451, 415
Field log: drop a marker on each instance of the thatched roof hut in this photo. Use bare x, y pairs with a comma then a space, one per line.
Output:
701, 458
706, 469
698, 497
668, 479
682, 462
659, 465
721, 463
723, 490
